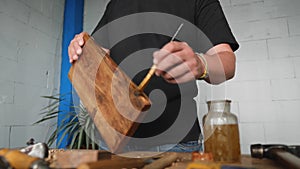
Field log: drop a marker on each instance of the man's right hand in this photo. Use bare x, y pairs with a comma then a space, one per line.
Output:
75, 47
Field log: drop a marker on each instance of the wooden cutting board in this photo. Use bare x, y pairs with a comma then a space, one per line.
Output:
108, 94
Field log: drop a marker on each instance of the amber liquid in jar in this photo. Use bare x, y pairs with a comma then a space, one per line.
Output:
223, 143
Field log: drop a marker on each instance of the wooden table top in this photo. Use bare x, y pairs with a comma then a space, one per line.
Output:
246, 161
185, 159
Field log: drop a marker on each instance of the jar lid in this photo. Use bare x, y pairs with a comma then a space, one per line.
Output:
218, 101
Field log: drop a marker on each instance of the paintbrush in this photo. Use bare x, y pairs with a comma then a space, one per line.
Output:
147, 78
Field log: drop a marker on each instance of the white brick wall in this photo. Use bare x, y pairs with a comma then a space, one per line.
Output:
253, 50
4, 141
30, 45
294, 24
266, 88
284, 47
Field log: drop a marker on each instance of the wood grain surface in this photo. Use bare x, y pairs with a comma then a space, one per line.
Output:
108, 95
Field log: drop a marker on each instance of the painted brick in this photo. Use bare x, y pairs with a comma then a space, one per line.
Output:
294, 25
251, 11
263, 70
288, 111
261, 10
259, 30
5, 111
259, 112
297, 67
26, 34
47, 8
15, 9
33, 105
6, 92
58, 14
252, 50
284, 47
4, 141
10, 67
248, 90
45, 25
21, 134
34, 75
27, 110
283, 133
28, 51
285, 8
243, 2
16, 30
285, 89
59, 2
46, 43
12, 114
34, 4
251, 133
8, 47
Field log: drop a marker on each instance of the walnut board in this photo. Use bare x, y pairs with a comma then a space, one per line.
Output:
73, 158
108, 94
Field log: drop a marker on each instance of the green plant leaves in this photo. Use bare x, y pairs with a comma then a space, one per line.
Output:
79, 128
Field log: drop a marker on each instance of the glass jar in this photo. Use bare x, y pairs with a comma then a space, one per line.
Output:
221, 132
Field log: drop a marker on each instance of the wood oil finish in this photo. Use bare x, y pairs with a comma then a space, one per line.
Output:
223, 143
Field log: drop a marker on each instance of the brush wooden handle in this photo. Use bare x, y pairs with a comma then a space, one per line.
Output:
146, 80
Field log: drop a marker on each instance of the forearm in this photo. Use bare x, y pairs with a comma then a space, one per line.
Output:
220, 65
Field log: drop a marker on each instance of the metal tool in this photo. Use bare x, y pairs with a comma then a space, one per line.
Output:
39, 150
4, 163
17, 160
288, 156
146, 80
30, 157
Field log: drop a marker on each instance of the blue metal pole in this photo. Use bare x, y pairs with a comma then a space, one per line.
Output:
73, 24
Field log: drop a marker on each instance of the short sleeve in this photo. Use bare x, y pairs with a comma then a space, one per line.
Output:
210, 18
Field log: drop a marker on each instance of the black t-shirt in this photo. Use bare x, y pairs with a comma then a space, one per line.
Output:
206, 15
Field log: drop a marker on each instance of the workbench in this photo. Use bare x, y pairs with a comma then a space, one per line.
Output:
246, 161
184, 160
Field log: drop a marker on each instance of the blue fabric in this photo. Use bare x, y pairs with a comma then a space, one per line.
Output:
73, 23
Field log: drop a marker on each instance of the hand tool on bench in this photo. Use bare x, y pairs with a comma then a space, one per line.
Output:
18, 160
39, 150
288, 156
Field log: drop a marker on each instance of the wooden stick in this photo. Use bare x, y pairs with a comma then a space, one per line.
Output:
146, 80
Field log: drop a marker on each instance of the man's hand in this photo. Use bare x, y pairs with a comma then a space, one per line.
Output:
177, 63
75, 47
